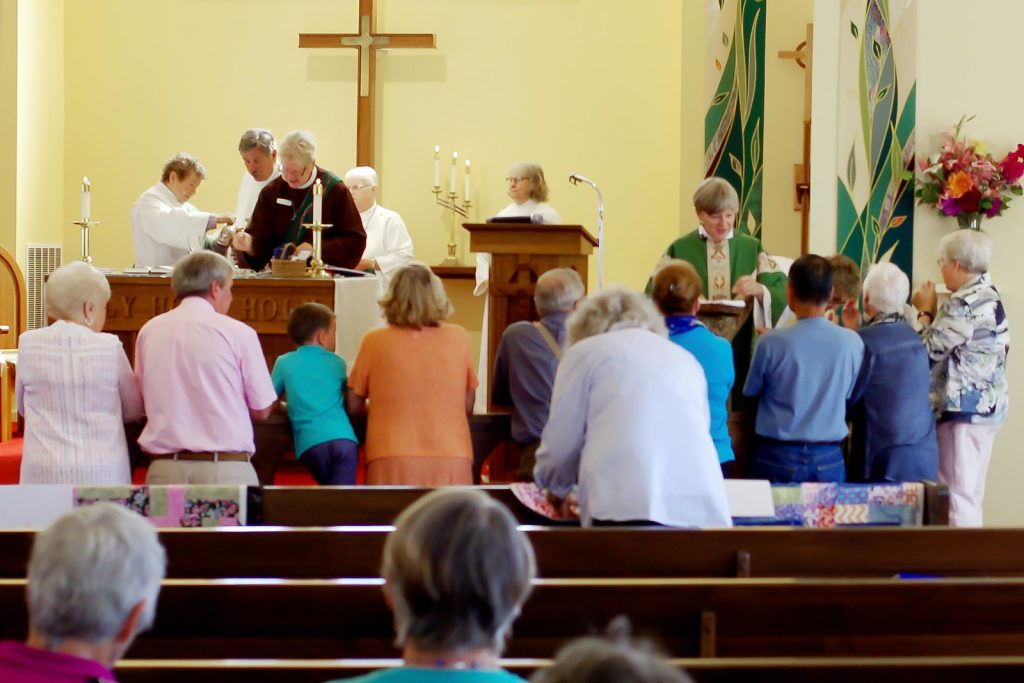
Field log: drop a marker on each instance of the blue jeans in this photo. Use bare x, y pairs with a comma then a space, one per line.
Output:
332, 463
786, 462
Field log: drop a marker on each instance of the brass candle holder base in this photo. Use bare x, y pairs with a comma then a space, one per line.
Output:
85, 225
316, 266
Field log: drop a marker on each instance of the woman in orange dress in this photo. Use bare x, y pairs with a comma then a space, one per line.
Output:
415, 381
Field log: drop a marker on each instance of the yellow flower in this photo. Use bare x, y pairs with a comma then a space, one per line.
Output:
957, 184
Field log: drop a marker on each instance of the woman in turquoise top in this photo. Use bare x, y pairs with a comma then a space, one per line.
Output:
457, 570
677, 291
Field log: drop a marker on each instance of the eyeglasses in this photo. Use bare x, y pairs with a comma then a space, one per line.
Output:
353, 188
513, 180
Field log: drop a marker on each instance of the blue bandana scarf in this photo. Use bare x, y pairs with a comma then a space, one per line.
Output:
681, 324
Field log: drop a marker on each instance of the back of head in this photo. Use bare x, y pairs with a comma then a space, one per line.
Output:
361, 174
258, 138
306, 320
181, 164
845, 277
193, 274
415, 298
299, 146
971, 248
71, 286
715, 195
886, 287
457, 570
615, 308
810, 278
89, 570
615, 659
558, 290
538, 186
677, 287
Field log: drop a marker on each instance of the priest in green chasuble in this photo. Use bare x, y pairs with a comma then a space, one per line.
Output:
731, 266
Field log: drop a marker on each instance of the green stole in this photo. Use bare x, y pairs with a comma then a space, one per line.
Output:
295, 230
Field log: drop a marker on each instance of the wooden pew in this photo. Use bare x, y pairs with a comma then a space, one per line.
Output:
353, 552
351, 505
751, 670
690, 618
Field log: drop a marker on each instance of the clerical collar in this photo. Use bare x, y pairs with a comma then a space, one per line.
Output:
705, 236
312, 179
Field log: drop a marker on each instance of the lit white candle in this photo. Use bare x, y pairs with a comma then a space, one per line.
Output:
466, 195
455, 160
318, 202
85, 199
437, 165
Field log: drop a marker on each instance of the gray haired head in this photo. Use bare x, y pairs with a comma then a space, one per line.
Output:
193, 274
616, 308
558, 290
258, 138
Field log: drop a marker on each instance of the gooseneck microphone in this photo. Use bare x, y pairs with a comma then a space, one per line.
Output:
575, 178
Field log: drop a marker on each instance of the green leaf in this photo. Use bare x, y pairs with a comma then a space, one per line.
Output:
851, 167
755, 145
881, 94
854, 30
719, 98
725, 39
737, 167
929, 194
907, 175
1017, 190
876, 48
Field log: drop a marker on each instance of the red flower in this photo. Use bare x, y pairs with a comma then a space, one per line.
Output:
1013, 165
969, 201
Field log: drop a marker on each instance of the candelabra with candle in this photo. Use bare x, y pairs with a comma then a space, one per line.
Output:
86, 221
316, 266
450, 201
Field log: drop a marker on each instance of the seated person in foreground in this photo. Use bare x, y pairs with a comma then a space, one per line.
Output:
286, 203
630, 422
616, 658
203, 379
75, 388
417, 376
93, 580
457, 570
893, 436
312, 378
528, 355
803, 375
845, 291
677, 293
165, 226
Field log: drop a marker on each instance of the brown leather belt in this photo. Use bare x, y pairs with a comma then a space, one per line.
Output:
201, 456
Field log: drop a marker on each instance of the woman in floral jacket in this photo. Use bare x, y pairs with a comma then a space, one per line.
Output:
967, 341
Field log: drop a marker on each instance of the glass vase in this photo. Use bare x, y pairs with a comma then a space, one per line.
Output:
969, 221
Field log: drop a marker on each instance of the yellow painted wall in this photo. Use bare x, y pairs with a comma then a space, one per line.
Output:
40, 123
947, 88
8, 122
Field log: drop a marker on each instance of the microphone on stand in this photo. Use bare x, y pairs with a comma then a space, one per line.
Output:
575, 178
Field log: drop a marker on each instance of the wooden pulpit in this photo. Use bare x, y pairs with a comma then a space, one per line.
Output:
520, 253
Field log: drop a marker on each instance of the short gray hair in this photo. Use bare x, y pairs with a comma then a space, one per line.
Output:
458, 570
886, 288
971, 248
361, 173
72, 285
260, 138
557, 290
715, 195
300, 146
89, 570
194, 274
616, 308
181, 164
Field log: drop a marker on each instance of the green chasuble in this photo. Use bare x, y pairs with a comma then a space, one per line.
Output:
746, 255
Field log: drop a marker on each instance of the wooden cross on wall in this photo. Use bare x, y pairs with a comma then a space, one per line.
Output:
367, 42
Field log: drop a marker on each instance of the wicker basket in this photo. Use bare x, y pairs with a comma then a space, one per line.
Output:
287, 268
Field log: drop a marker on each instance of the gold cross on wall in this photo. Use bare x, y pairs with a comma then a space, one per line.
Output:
367, 42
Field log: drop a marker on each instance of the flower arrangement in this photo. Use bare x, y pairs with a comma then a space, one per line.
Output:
964, 181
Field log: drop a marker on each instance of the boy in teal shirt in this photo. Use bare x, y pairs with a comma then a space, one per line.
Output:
313, 380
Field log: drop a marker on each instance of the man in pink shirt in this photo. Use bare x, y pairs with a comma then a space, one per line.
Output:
203, 380
93, 581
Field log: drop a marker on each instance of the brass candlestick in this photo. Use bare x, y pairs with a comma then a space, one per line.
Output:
85, 225
455, 207
316, 266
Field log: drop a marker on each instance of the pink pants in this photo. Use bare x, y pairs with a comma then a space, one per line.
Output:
964, 454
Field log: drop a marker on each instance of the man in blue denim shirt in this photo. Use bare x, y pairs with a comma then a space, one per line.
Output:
803, 376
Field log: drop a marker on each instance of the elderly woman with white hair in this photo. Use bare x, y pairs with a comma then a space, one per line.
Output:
967, 340
93, 582
893, 436
75, 387
388, 244
286, 204
457, 570
630, 423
